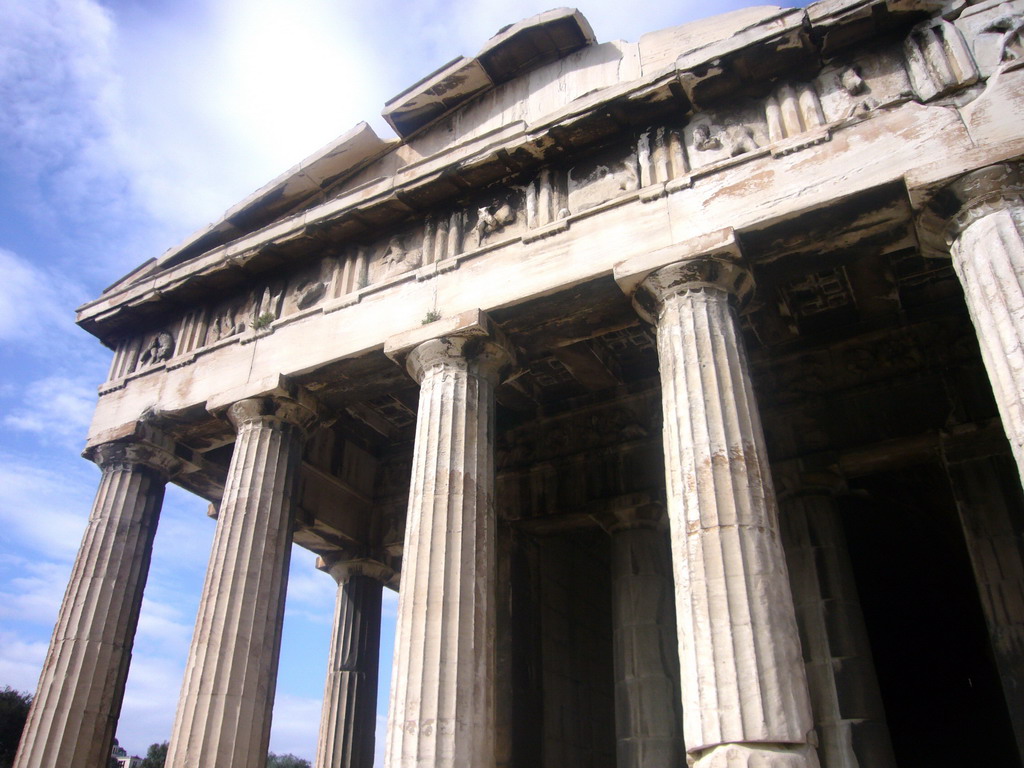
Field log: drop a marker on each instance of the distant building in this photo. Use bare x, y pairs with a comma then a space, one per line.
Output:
670, 381
123, 759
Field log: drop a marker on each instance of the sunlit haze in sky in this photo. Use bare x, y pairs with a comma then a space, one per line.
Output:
124, 126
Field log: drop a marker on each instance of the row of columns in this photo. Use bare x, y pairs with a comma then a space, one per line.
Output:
745, 698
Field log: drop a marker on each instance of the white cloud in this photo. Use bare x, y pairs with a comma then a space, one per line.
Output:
43, 509
295, 726
150, 699
311, 592
165, 625
36, 303
380, 741
57, 408
61, 99
35, 593
20, 661
389, 606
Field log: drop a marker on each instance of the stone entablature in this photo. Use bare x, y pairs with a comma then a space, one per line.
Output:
511, 334
796, 108
866, 113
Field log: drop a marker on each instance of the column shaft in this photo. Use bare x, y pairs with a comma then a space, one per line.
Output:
848, 712
745, 698
985, 212
349, 716
227, 697
990, 512
647, 711
75, 710
988, 257
442, 691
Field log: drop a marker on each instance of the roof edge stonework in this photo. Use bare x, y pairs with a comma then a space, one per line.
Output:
274, 225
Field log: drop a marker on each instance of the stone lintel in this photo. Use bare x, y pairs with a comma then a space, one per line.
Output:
342, 568
926, 180
277, 387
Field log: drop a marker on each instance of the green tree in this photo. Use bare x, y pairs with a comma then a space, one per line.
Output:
155, 756
286, 761
13, 713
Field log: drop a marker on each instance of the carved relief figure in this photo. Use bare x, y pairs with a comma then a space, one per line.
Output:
704, 140
309, 292
611, 426
736, 138
604, 181
1009, 28
396, 260
269, 307
492, 219
740, 139
850, 80
159, 349
310, 286
226, 323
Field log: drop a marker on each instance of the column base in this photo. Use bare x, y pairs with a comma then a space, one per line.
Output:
756, 756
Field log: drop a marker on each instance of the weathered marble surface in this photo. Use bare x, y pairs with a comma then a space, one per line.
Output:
990, 516
864, 120
227, 696
745, 698
78, 700
848, 712
553, 171
348, 719
442, 692
987, 245
648, 717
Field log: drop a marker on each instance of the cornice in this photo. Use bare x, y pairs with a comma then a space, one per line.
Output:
791, 40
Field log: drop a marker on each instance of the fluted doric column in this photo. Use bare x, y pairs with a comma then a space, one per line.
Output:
993, 529
75, 710
847, 704
986, 238
745, 700
349, 715
648, 722
227, 697
442, 692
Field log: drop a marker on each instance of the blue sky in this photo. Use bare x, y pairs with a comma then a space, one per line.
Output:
124, 126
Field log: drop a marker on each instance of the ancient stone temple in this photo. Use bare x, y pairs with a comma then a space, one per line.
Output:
677, 385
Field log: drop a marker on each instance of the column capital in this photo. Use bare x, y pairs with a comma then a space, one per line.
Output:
343, 568
470, 340
272, 408
713, 261
274, 398
976, 194
793, 479
622, 517
950, 208
147, 447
